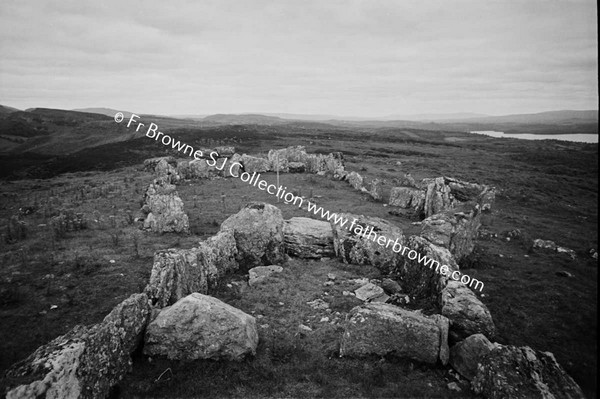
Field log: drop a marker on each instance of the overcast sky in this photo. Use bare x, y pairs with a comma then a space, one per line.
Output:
352, 58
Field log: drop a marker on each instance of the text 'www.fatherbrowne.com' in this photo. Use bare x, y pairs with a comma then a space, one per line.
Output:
281, 192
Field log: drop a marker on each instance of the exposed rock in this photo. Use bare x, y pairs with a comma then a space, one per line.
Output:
521, 372
467, 354
296, 167
225, 151
233, 167
359, 244
318, 304
355, 180
456, 231
487, 198
407, 197
177, 273
201, 327
167, 172
376, 190
382, 329
466, 312
218, 254
332, 163
368, 292
424, 280
259, 274
444, 326
544, 244
437, 197
87, 361
150, 164
286, 156
563, 250
405, 181
308, 238
166, 212
390, 286
258, 232
255, 164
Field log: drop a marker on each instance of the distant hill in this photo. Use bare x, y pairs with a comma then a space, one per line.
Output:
244, 119
103, 111
562, 117
435, 117
7, 110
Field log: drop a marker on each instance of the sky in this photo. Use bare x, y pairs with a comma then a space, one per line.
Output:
351, 58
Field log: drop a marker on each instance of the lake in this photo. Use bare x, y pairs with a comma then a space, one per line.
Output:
578, 137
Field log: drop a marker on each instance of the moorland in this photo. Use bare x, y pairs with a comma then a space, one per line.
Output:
53, 160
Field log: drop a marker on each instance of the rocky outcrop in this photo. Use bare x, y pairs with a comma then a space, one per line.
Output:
255, 164
521, 372
308, 238
424, 279
258, 232
259, 274
218, 253
167, 172
456, 231
332, 164
407, 197
150, 164
164, 209
468, 315
280, 159
437, 196
383, 329
376, 190
198, 169
225, 151
466, 355
87, 361
355, 180
233, 167
177, 273
357, 242
201, 327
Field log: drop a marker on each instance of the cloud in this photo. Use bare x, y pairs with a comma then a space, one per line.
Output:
339, 57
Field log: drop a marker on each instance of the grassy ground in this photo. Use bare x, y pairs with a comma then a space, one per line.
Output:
547, 190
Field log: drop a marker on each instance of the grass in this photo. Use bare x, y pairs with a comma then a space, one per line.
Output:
547, 190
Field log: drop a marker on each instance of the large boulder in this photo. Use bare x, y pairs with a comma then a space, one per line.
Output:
280, 159
258, 232
456, 231
376, 190
437, 196
201, 327
332, 163
521, 372
467, 314
355, 180
166, 213
150, 164
358, 241
466, 355
407, 197
225, 151
420, 269
255, 164
198, 169
87, 361
167, 172
383, 329
177, 273
308, 238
